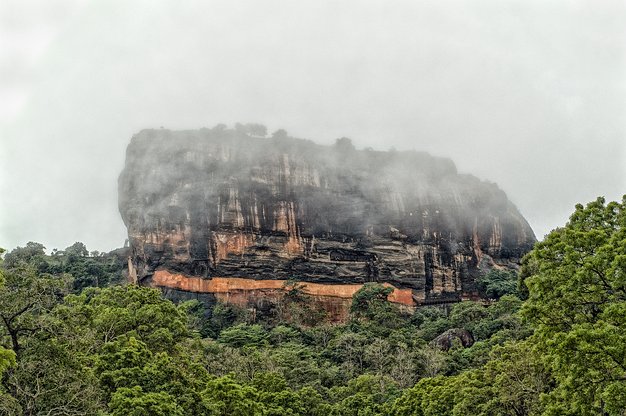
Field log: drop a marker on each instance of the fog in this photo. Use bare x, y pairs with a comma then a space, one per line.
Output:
528, 94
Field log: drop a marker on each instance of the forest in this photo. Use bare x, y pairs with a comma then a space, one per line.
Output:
549, 340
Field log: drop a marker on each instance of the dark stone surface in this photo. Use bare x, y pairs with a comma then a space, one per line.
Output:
216, 202
446, 340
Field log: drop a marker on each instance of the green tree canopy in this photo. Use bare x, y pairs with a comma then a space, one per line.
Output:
33, 254
577, 300
77, 249
498, 283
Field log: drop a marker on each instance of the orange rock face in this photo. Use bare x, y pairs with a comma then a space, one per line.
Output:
336, 299
217, 285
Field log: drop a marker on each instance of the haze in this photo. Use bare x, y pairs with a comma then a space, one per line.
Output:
528, 94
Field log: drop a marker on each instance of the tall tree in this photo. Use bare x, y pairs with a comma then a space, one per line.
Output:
577, 300
25, 298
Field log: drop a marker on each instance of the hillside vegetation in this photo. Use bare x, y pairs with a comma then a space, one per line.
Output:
551, 341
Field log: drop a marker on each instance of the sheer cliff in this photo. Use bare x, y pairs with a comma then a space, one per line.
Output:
235, 215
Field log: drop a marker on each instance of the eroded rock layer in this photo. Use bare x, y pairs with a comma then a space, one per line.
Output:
218, 209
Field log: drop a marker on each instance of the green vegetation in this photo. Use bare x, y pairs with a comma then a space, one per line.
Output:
75, 341
87, 269
498, 283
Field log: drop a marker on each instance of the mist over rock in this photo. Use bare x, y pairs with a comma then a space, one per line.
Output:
256, 211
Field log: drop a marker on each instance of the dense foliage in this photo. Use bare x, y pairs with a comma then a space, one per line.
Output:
74, 342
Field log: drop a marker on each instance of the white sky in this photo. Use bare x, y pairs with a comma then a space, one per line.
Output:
528, 94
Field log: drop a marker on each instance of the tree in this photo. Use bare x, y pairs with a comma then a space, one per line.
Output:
370, 303
364, 395
279, 134
297, 308
223, 315
429, 397
133, 311
127, 363
101, 269
577, 302
45, 373
77, 249
126, 337
467, 315
349, 349
243, 335
33, 254
230, 398
50, 377
281, 334
25, 298
378, 356
256, 129
344, 144
433, 359
251, 129
133, 401
511, 383
516, 378
498, 283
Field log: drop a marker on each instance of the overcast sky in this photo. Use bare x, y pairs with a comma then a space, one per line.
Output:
528, 94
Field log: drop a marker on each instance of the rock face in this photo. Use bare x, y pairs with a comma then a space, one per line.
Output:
446, 340
222, 204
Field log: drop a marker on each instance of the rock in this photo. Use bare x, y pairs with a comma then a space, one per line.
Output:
220, 203
446, 340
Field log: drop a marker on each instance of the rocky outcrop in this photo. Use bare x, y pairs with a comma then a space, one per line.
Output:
215, 204
460, 336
